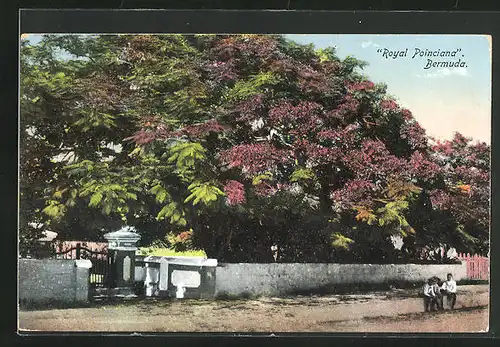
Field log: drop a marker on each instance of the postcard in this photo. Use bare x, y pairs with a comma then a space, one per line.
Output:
254, 183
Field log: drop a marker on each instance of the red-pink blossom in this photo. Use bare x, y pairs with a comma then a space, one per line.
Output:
201, 129
254, 158
389, 105
440, 199
250, 109
373, 160
152, 129
348, 106
235, 192
265, 190
355, 192
341, 137
222, 71
363, 85
233, 47
315, 153
414, 134
422, 167
407, 115
303, 117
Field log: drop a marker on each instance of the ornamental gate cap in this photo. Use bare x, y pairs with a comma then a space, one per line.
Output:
124, 239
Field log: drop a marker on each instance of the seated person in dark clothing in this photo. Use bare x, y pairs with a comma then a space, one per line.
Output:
437, 284
430, 296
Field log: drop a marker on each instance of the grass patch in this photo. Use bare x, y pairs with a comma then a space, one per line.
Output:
168, 252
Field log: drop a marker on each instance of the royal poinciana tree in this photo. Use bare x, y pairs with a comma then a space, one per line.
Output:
250, 147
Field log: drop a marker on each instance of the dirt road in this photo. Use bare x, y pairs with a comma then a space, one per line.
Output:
395, 311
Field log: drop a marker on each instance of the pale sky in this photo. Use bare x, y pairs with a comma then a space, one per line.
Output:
443, 100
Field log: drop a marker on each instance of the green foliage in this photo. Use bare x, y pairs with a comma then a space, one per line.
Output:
95, 199
54, 209
186, 103
161, 193
57, 84
185, 155
351, 63
327, 54
93, 119
105, 190
259, 179
365, 215
302, 174
204, 192
392, 213
172, 211
400, 190
340, 241
110, 197
468, 237
81, 168
254, 85
392, 209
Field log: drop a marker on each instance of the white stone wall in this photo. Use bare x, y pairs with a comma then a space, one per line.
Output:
279, 279
53, 280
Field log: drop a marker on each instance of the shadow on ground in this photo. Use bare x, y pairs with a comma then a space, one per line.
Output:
243, 302
420, 315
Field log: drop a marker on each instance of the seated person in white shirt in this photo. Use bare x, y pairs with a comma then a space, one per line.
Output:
449, 289
430, 297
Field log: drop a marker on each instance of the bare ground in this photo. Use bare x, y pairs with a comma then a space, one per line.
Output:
394, 311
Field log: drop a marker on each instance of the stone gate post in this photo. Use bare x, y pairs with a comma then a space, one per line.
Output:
122, 247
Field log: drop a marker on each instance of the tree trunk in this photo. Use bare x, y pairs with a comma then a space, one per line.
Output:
327, 181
